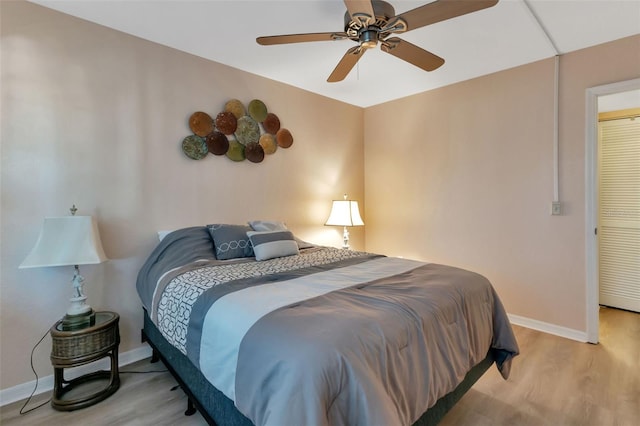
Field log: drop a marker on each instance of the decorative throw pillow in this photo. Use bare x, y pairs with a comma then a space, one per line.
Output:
270, 244
267, 225
273, 225
230, 241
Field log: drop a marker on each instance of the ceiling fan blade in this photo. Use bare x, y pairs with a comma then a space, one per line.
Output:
299, 38
441, 10
346, 64
411, 53
361, 10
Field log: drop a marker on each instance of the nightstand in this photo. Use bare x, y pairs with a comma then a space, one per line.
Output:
79, 347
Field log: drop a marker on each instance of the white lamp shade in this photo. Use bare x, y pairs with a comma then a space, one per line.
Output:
344, 213
68, 240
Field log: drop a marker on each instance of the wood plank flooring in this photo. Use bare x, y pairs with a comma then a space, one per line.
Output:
555, 381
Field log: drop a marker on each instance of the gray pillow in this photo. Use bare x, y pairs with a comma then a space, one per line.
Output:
267, 225
274, 225
270, 244
230, 241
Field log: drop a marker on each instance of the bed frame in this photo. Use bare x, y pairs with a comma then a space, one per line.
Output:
217, 409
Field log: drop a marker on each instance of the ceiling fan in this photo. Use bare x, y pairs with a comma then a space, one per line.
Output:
369, 22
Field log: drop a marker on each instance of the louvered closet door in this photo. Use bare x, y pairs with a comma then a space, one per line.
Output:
619, 225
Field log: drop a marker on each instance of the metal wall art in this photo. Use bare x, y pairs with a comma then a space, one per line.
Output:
239, 133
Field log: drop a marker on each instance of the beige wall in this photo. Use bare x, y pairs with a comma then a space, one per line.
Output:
463, 175
95, 117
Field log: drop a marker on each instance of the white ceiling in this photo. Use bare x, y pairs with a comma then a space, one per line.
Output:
497, 38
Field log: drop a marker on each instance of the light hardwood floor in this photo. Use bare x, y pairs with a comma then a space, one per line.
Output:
555, 381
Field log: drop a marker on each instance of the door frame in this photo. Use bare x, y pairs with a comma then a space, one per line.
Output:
592, 197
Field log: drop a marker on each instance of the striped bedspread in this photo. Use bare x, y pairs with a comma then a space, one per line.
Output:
328, 336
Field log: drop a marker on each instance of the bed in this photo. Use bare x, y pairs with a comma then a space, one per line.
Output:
261, 328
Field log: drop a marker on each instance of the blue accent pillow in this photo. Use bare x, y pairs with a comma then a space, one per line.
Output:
230, 241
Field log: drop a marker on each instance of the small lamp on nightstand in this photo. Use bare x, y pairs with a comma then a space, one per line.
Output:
65, 241
344, 213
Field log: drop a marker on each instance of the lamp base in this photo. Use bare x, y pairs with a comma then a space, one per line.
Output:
345, 239
79, 321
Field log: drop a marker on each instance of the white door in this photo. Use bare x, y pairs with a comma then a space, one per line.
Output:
619, 221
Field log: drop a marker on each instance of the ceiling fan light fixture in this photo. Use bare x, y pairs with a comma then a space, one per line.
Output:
368, 38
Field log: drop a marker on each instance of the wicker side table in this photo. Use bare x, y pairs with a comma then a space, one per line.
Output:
79, 347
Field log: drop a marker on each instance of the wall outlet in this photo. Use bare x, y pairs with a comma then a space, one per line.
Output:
555, 208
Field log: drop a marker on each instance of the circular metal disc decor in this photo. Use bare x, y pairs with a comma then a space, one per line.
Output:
284, 138
201, 123
194, 147
257, 110
239, 131
248, 130
235, 107
271, 124
217, 143
254, 152
236, 151
226, 122
268, 143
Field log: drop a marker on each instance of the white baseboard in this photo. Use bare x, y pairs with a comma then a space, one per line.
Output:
45, 384
545, 327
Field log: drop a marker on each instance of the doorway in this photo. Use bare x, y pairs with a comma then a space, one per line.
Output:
592, 198
619, 204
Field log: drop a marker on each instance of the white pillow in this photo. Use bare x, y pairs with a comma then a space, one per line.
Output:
271, 244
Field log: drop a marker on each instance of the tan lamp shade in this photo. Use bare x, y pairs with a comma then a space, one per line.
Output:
344, 213
68, 240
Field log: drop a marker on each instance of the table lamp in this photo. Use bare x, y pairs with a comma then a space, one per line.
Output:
344, 213
65, 241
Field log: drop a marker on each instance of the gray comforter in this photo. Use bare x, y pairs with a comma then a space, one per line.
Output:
359, 339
